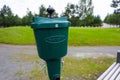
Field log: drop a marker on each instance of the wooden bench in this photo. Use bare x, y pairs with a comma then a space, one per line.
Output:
113, 72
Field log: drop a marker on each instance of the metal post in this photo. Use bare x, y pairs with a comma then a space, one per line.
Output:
118, 56
57, 79
54, 67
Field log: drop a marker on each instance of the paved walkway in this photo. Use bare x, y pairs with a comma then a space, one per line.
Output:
9, 68
88, 51
83, 51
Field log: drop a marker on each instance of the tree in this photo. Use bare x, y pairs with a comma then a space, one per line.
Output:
85, 8
116, 4
17, 20
6, 16
80, 14
97, 21
71, 13
42, 11
27, 19
115, 17
1, 22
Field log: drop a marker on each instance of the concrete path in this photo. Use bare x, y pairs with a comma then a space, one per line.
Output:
83, 51
94, 51
10, 68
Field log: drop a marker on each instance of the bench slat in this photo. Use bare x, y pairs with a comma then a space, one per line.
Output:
107, 71
118, 77
116, 74
111, 72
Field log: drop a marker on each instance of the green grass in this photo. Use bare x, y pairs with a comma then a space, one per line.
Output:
74, 68
77, 36
85, 69
94, 36
17, 35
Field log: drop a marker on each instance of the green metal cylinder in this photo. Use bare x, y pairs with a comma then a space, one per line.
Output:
51, 43
51, 35
54, 67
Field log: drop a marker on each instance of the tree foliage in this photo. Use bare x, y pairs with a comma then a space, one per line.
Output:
27, 19
115, 17
81, 14
6, 16
42, 11
116, 4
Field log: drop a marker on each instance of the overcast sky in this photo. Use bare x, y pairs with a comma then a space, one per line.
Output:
101, 7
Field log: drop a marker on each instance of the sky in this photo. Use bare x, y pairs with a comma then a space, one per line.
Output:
101, 7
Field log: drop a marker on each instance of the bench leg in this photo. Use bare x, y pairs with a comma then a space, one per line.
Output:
118, 56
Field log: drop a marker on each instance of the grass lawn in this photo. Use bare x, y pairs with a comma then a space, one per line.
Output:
77, 36
94, 36
17, 35
85, 69
74, 68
